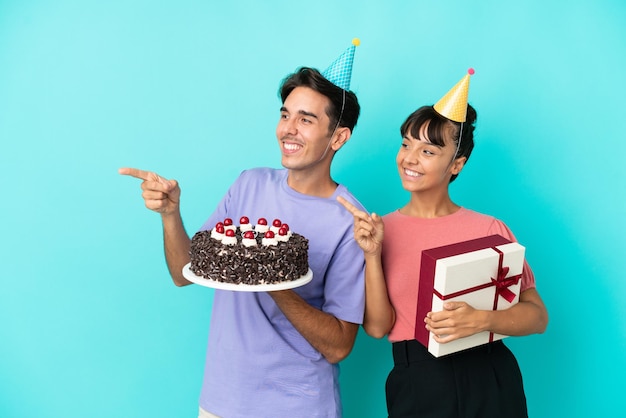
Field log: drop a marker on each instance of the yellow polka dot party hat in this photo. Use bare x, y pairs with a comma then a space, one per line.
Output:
454, 104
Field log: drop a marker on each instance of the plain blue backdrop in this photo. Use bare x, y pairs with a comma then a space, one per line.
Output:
90, 324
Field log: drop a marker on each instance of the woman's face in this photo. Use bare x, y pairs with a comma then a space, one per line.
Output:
424, 166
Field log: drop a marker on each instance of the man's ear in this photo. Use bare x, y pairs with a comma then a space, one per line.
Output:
342, 135
458, 165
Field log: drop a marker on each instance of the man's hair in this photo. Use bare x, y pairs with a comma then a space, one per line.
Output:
313, 79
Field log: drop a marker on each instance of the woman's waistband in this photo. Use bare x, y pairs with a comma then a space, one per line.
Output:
411, 351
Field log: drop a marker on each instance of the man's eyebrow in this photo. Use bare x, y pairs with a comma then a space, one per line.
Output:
305, 113
301, 112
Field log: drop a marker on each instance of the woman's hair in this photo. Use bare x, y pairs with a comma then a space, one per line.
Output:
312, 78
441, 128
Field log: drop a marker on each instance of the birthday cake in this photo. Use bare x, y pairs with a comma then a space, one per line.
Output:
249, 254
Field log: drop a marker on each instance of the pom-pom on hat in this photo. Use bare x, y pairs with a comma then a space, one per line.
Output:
454, 104
340, 71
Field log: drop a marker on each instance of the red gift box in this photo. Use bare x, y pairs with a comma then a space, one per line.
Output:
484, 272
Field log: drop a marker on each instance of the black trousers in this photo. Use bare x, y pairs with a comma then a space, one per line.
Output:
482, 382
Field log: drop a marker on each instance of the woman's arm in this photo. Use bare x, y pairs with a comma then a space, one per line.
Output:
379, 313
458, 319
368, 233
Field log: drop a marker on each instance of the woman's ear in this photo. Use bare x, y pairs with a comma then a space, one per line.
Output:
458, 165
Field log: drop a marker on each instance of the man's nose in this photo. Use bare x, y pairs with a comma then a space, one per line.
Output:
287, 127
290, 126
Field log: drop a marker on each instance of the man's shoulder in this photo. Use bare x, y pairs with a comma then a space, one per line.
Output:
262, 171
261, 174
343, 191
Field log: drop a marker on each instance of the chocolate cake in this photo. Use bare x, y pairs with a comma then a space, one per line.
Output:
250, 255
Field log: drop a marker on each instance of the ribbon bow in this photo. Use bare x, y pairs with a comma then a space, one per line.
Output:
502, 283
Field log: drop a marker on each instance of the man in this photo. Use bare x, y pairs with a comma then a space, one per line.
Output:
275, 354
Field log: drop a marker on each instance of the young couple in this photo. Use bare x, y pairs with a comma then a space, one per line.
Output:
276, 354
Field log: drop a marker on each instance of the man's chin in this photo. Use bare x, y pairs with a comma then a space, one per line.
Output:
287, 162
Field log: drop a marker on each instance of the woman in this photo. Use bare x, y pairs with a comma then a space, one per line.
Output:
484, 381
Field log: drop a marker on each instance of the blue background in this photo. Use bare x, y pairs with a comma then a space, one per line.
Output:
90, 324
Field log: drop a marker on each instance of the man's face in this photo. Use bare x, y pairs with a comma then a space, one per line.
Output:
303, 129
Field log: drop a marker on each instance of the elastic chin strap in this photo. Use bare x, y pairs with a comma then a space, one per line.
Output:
343, 104
458, 146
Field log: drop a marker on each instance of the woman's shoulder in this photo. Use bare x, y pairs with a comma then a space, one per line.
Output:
474, 215
461, 215
464, 219
488, 223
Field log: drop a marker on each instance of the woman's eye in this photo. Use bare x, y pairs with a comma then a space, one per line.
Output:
431, 150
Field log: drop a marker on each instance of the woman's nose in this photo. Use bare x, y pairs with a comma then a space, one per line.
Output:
411, 157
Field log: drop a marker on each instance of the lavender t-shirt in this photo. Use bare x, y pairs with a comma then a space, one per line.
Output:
257, 364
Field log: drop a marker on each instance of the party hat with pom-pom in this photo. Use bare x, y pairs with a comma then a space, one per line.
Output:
454, 104
340, 71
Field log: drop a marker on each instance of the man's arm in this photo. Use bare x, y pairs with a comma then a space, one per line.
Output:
176, 243
163, 196
330, 336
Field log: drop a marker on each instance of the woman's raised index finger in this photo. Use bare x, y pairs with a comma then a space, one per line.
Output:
349, 206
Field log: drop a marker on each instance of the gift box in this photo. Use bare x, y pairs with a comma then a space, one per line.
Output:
484, 272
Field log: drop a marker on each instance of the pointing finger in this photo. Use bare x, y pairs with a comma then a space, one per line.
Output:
137, 173
142, 174
351, 208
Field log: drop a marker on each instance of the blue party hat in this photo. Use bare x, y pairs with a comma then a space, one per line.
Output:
340, 71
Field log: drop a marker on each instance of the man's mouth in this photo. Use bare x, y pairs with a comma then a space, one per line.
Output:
291, 146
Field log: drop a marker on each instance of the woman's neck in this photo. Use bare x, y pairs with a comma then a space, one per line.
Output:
421, 206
